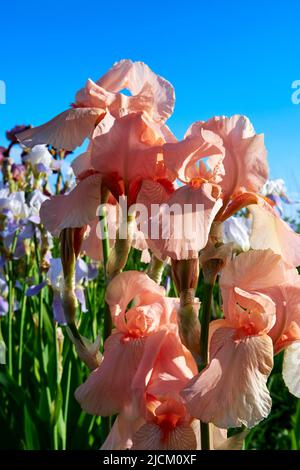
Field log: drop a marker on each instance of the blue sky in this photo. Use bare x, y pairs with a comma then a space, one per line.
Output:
223, 57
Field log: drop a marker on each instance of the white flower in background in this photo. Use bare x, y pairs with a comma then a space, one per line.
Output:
14, 203
40, 156
275, 187
237, 230
36, 199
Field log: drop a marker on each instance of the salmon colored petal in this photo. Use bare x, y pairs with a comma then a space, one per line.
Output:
94, 96
234, 442
75, 209
235, 380
151, 437
240, 201
107, 390
130, 285
122, 432
253, 270
66, 131
270, 231
82, 164
181, 157
287, 327
148, 89
141, 379
253, 311
92, 245
291, 368
245, 159
173, 369
127, 150
181, 225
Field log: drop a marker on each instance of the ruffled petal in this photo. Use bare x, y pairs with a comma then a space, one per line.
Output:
253, 271
150, 91
76, 209
245, 161
235, 380
107, 390
181, 157
66, 131
129, 285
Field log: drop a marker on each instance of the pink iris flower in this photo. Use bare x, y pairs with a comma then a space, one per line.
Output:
144, 338
261, 296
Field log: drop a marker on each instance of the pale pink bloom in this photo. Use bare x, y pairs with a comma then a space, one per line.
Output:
245, 168
168, 426
264, 273
160, 432
232, 390
245, 161
172, 369
149, 91
183, 221
131, 350
241, 350
118, 160
69, 129
217, 160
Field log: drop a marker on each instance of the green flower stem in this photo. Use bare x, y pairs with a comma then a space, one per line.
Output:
21, 338
40, 325
11, 302
156, 269
56, 384
205, 319
107, 327
67, 400
106, 252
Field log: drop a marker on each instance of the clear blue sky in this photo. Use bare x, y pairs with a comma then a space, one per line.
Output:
223, 57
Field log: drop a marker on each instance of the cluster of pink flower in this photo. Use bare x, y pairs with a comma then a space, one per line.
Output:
148, 374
